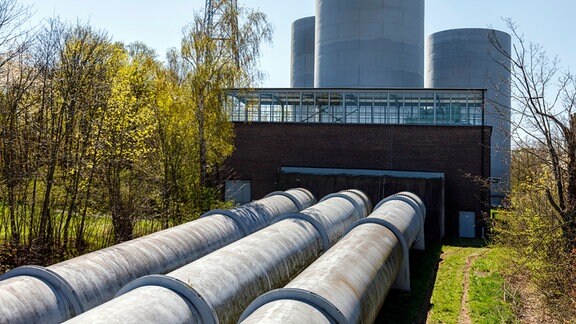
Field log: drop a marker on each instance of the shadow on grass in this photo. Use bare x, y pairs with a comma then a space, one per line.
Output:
413, 307
463, 242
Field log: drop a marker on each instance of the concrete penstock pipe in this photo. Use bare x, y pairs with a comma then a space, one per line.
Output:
58, 292
349, 283
219, 286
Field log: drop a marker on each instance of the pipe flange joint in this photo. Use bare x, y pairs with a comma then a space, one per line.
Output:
323, 305
306, 192
388, 225
185, 291
287, 195
314, 222
416, 199
51, 278
228, 213
410, 201
362, 196
362, 212
405, 248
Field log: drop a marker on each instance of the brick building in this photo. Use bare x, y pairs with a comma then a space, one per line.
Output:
431, 142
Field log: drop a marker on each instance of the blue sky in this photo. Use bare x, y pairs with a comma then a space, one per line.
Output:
159, 23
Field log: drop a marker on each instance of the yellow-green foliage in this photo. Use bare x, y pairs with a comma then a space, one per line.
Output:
100, 137
531, 222
531, 228
127, 116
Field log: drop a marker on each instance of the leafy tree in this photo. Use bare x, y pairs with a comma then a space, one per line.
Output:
15, 140
94, 131
219, 50
174, 150
74, 64
127, 127
15, 79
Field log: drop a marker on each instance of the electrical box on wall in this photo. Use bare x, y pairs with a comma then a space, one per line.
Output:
467, 224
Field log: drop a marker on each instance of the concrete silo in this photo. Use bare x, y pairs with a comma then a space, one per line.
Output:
302, 57
369, 43
467, 58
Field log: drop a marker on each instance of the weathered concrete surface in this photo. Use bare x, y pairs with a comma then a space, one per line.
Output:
230, 278
302, 54
369, 44
95, 278
468, 58
349, 283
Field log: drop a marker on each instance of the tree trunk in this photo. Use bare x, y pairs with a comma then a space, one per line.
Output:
202, 142
121, 220
569, 215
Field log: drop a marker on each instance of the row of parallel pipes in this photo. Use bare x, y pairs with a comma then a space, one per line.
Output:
33, 294
218, 287
349, 283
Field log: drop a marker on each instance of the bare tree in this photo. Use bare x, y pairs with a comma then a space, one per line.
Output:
545, 120
15, 80
13, 31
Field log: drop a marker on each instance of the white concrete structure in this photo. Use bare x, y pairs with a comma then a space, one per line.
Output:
376, 43
302, 57
468, 58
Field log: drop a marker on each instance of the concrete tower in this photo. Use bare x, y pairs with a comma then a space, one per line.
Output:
467, 58
369, 43
302, 57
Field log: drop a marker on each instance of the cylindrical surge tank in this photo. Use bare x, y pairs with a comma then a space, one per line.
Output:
68, 288
469, 58
224, 282
302, 57
348, 283
369, 43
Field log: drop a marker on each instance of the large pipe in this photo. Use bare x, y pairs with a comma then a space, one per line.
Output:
219, 286
349, 283
61, 291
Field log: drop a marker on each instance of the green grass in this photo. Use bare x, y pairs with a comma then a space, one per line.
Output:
449, 288
488, 300
98, 231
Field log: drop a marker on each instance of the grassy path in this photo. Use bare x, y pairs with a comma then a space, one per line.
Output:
469, 287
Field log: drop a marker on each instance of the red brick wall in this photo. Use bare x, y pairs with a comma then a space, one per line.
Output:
263, 148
